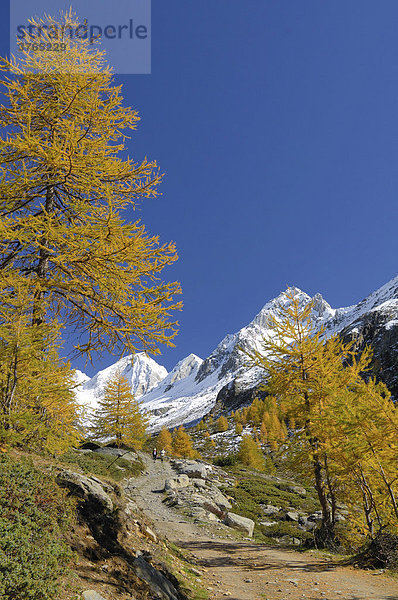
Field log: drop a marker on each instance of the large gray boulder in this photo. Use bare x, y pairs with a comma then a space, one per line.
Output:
176, 483
193, 469
211, 507
85, 488
289, 515
306, 523
199, 483
241, 523
197, 471
296, 489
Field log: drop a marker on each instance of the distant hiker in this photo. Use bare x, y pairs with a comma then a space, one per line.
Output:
154, 454
162, 453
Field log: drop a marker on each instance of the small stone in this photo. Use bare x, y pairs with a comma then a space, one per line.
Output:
248, 580
149, 533
92, 595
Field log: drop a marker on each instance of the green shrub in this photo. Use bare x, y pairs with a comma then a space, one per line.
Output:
226, 461
282, 528
93, 463
34, 513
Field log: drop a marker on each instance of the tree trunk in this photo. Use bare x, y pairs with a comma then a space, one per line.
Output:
332, 493
43, 263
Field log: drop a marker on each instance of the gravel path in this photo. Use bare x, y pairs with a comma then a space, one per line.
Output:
244, 570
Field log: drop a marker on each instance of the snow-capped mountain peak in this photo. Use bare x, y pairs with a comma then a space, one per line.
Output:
186, 367
191, 389
142, 372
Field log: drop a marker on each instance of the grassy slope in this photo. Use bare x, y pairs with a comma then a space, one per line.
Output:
75, 562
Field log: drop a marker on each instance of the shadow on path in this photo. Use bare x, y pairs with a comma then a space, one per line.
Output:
256, 557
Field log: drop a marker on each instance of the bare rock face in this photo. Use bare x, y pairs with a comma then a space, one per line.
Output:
378, 329
233, 396
186, 367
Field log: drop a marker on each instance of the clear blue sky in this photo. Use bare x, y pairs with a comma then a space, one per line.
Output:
276, 123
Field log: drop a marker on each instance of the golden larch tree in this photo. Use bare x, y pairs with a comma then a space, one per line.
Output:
67, 194
222, 424
362, 433
118, 417
250, 454
37, 404
182, 444
164, 440
305, 372
238, 428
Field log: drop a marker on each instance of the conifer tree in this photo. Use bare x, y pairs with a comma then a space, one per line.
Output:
255, 412
201, 426
64, 187
362, 430
182, 444
249, 453
118, 417
305, 373
238, 428
164, 440
244, 415
237, 416
264, 432
222, 424
37, 404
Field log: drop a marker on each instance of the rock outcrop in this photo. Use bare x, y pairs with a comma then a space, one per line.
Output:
89, 489
378, 329
157, 582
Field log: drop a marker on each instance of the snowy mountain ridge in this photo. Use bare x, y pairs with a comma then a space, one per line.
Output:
191, 389
143, 373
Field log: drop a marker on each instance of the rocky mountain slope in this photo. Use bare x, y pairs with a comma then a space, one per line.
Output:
223, 381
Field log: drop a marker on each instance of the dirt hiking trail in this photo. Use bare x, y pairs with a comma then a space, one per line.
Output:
245, 570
